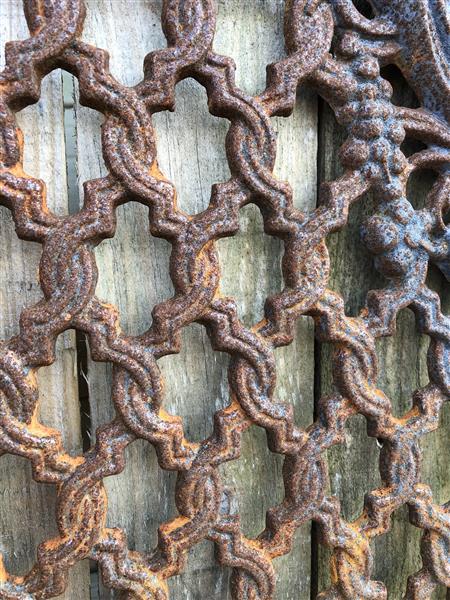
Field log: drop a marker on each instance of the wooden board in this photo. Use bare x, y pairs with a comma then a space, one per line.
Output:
353, 466
27, 508
133, 268
142, 496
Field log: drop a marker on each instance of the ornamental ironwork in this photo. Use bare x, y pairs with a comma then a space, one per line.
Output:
335, 50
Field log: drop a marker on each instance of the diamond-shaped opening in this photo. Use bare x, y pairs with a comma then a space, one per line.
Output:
133, 269
191, 147
23, 501
195, 382
397, 555
256, 480
151, 491
353, 467
44, 150
142, 18
296, 159
201, 575
293, 570
140, 499
250, 264
402, 362
59, 405
352, 272
251, 53
295, 373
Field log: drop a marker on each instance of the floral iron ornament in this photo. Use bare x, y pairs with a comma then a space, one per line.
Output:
338, 52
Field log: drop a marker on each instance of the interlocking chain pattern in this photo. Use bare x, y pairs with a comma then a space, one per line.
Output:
337, 51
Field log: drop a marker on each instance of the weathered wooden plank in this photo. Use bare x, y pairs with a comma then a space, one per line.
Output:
402, 367
27, 508
134, 276
252, 34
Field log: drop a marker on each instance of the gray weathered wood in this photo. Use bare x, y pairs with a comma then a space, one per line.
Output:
134, 276
27, 509
402, 367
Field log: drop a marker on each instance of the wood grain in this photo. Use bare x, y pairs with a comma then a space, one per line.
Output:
27, 508
134, 276
353, 466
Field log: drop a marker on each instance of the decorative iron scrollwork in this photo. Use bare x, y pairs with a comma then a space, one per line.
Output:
338, 52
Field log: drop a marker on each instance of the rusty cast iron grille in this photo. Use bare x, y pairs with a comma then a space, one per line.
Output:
334, 49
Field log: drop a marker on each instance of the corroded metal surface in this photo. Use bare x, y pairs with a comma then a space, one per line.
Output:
332, 48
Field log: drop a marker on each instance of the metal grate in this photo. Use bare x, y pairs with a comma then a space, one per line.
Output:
338, 52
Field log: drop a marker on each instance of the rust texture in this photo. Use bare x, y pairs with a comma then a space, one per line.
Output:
334, 49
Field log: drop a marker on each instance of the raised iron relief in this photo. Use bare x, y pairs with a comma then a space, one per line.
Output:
335, 50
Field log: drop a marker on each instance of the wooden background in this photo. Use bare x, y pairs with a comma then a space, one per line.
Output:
63, 148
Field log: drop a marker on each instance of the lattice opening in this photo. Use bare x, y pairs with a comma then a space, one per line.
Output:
201, 573
440, 593
352, 271
89, 155
251, 54
295, 373
390, 567
351, 483
365, 8
410, 146
331, 136
123, 63
191, 147
202, 374
402, 363
190, 57
44, 151
259, 260
296, 159
23, 501
256, 479
123, 259
437, 282
60, 381
13, 26
294, 566
153, 497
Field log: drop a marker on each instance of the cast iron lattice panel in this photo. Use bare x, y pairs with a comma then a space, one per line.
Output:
338, 52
